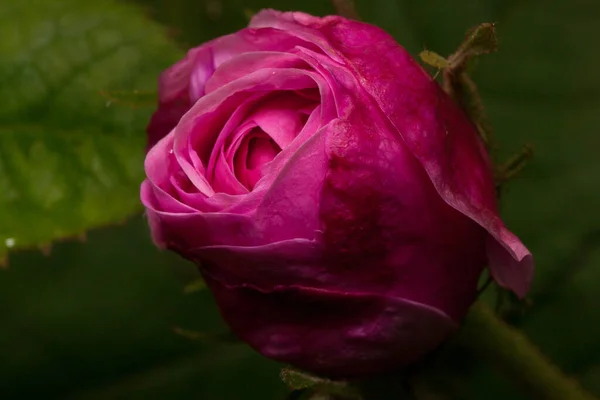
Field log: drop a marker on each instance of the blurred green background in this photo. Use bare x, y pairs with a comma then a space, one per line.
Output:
94, 319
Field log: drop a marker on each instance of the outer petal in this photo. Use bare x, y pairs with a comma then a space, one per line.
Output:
432, 126
185, 82
298, 325
178, 87
387, 229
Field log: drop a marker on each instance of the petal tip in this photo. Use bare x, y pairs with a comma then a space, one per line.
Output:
511, 264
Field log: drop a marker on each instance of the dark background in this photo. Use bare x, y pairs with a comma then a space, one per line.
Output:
94, 320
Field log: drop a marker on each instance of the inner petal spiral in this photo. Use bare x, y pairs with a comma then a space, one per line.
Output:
256, 149
254, 137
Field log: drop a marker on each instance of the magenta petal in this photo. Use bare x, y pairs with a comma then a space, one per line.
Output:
386, 229
179, 86
507, 269
221, 170
438, 134
168, 179
160, 162
293, 262
303, 26
256, 150
235, 140
224, 179
239, 164
301, 326
154, 198
280, 118
185, 82
208, 115
151, 198
290, 207
196, 230
249, 63
262, 150
236, 127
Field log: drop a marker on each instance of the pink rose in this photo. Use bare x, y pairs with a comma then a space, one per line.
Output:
339, 205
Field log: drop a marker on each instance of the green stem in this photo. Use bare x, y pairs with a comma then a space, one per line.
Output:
512, 353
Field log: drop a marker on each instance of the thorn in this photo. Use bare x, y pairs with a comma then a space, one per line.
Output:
518, 162
515, 164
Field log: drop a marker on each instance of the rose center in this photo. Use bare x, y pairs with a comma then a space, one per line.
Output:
261, 150
256, 150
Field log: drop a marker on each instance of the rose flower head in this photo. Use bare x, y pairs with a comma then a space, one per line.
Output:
340, 206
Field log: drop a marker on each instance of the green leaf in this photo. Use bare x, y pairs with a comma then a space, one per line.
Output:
71, 160
298, 380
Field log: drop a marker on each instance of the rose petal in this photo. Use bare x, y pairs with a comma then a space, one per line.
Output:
262, 150
300, 25
280, 117
301, 326
204, 120
256, 150
225, 180
287, 210
178, 87
184, 231
186, 81
248, 63
223, 177
235, 140
385, 227
432, 126
272, 169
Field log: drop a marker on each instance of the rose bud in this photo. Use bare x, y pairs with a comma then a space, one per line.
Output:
339, 205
